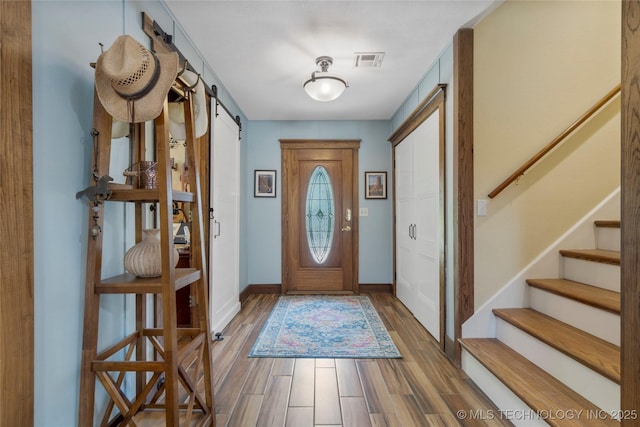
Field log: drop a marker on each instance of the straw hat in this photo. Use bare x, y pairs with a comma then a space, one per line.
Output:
132, 82
176, 110
119, 129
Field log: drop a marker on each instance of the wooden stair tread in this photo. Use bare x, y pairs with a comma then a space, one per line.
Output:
591, 295
535, 387
607, 223
596, 255
593, 352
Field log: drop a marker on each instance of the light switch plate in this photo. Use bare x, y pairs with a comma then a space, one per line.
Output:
364, 211
482, 207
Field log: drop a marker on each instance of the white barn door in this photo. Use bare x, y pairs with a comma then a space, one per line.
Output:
224, 237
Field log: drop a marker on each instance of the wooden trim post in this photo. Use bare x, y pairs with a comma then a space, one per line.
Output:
630, 216
462, 215
16, 227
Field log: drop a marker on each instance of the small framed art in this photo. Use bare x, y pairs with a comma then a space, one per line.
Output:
264, 184
375, 185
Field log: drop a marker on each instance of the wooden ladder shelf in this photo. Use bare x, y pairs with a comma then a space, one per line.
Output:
172, 366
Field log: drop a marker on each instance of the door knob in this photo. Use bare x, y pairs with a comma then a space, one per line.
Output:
346, 228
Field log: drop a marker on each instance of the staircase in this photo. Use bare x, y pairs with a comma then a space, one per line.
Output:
557, 362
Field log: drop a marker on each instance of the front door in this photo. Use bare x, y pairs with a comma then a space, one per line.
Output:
319, 216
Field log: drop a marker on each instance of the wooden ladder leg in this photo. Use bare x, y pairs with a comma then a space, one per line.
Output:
138, 153
198, 254
101, 154
169, 316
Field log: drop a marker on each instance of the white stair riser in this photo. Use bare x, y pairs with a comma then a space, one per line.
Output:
605, 276
601, 391
608, 238
603, 324
499, 394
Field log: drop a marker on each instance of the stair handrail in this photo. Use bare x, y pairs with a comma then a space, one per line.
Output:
557, 140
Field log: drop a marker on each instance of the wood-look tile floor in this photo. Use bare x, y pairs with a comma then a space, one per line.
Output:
422, 389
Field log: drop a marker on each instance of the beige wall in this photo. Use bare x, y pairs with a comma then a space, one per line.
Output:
539, 65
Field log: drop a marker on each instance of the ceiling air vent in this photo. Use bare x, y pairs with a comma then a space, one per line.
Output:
368, 59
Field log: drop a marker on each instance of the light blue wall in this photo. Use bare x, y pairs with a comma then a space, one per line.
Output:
263, 215
62, 120
66, 37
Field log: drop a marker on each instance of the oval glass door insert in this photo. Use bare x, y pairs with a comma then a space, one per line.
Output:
320, 213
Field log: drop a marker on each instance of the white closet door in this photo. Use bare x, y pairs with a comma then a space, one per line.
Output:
418, 228
224, 270
404, 222
427, 227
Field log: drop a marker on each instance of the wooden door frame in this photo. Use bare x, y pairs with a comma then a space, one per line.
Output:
299, 144
434, 101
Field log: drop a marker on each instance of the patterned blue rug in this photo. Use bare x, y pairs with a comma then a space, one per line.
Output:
321, 326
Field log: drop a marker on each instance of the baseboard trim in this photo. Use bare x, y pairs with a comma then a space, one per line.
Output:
376, 288
450, 350
259, 289
276, 288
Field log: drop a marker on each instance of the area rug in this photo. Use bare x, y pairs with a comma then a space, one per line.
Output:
321, 326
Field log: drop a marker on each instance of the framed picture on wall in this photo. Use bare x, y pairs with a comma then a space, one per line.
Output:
375, 185
264, 184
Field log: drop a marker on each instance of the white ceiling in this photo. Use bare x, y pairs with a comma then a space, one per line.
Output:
263, 51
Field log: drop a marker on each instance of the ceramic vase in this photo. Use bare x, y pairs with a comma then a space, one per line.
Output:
144, 259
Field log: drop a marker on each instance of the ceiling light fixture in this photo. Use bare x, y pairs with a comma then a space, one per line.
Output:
323, 86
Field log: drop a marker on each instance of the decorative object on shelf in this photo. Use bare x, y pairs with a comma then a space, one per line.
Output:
264, 183
176, 109
145, 171
132, 81
323, 86
98, 192
375, 185
144, 258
